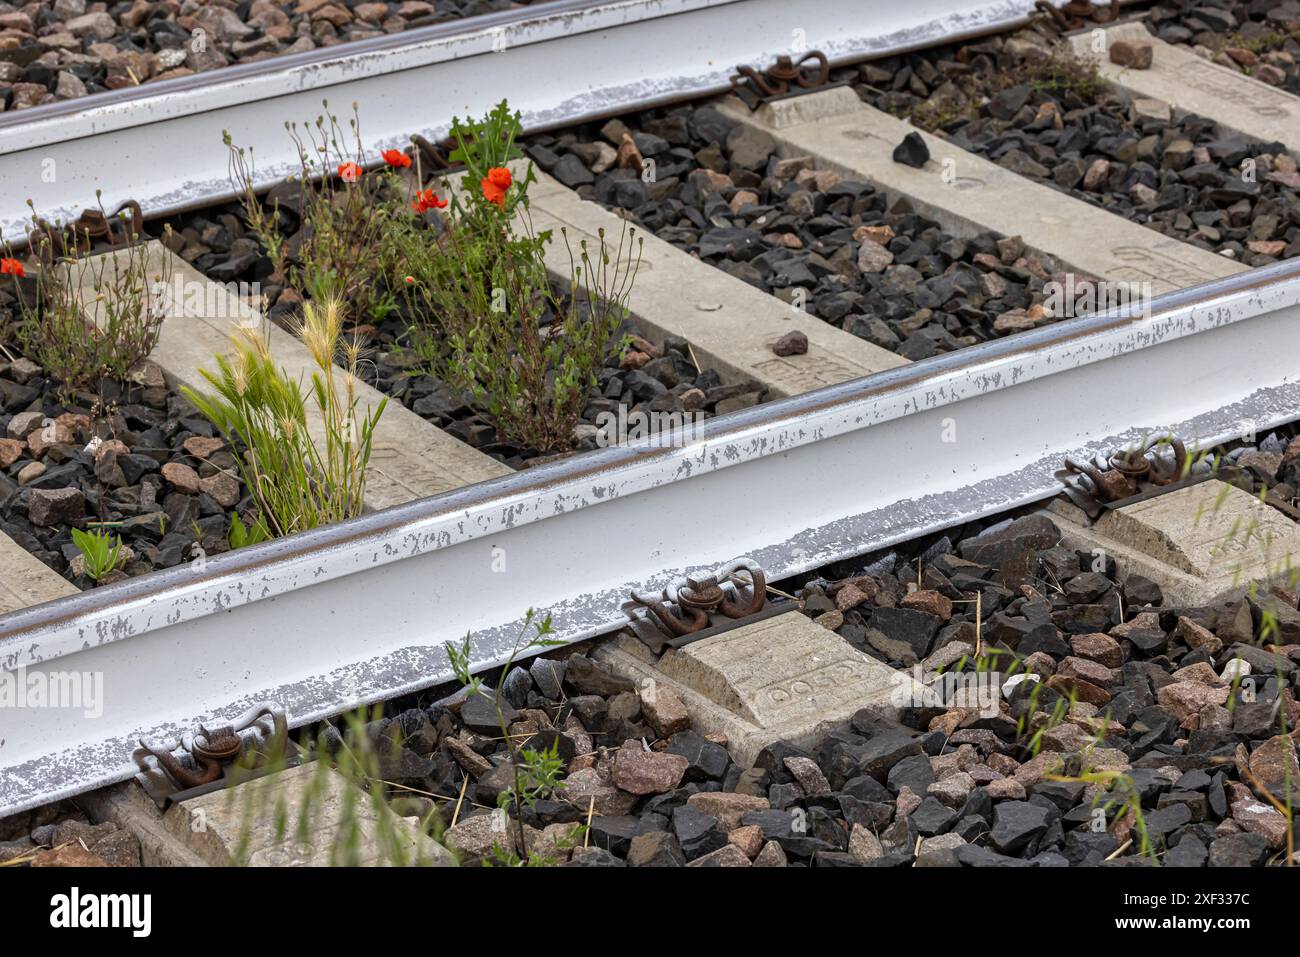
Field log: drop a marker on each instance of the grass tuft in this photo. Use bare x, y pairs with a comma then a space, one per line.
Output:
297, 480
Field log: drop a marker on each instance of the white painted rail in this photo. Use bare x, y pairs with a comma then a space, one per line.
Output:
359, 612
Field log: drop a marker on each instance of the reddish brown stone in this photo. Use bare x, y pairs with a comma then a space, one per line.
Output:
1183, 698
633, 359
11, 451
1103, 649
664, 710
1091, 671
1201, 671
201, 446
1197, 637
639, 771
1135, 56
850, 596
51, 434
223, 488
1271, 762
748, 839
587, 789
182, 477
1082, 689
1262, 819
928, 600
727, 806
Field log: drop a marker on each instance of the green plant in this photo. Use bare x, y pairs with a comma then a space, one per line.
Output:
343, 211
500, 857
1273, 39
1114, 789
535, 773
1057, 75
539, 773
493, 327
484, 146
932, 117
298, 481
101, 552
252, 533
1060, 711
486, 317
94, 317
1062, 73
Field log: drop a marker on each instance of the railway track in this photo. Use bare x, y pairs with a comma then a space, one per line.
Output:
678, 56
362, 611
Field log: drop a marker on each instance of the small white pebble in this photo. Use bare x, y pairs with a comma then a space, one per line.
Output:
1010, 684
170, 59
1234, 669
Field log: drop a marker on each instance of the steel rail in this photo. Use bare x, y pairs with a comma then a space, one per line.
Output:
358, 612
161, 143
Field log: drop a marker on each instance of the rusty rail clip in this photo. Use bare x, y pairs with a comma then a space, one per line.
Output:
784, 77
1077, 14
92, 226
1124, 471
199, 758
698, 598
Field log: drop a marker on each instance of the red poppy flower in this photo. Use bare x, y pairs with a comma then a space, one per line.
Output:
396, 158
350, 172
427, 199
495, 184
11, 267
